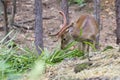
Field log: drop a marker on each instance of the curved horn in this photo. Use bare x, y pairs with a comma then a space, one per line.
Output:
64, 19
63, 25
64, 29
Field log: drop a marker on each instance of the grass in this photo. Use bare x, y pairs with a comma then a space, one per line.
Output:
47, 59
16, 61
79, 2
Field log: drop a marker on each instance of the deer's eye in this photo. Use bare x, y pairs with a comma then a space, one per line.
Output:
64, 39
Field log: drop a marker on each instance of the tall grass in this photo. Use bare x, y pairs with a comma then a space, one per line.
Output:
47, 59
14, 60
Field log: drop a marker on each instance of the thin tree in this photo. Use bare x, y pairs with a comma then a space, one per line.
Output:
38, 26
65, 9
13, 13
97, 17
5, 17
117, 5
8, 23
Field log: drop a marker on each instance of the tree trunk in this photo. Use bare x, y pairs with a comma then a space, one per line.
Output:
13, 13
38, 26
97, 17
117, 5
6, 28
65, 9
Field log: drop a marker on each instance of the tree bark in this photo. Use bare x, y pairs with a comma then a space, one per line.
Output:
5, 16
65, 9
97, 17
38, 26
13, 13
117, 5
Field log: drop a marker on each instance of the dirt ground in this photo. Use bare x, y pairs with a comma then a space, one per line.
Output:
25, 11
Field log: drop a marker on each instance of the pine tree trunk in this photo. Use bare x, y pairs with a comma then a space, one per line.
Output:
117, 5
118, 20
38, 26
97, 17
65, 9
5, 17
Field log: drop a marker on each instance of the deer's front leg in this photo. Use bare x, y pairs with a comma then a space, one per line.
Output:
88, 51
85, 48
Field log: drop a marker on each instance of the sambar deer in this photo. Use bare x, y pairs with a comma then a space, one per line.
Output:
84, 29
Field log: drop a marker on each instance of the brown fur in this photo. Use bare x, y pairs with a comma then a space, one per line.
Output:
89, 27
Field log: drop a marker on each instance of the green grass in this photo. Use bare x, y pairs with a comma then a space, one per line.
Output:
15, 61
51, 59
79, 2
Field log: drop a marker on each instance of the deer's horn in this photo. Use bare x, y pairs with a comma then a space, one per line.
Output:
63, 25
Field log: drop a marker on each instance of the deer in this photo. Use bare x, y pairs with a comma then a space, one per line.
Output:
84, 29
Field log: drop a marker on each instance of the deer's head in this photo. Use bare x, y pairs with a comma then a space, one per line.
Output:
63, 34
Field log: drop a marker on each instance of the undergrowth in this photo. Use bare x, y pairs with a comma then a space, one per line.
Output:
79, 2
15, 61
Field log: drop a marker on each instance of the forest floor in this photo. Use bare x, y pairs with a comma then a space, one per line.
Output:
106, 65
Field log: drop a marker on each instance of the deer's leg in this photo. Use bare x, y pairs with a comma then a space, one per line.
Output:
88, 52
85, 50
80, 46
83, 47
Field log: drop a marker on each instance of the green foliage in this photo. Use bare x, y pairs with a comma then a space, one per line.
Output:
37, 70
47, 58
14, 60
90, 44
59, 55
107, 48
80, 2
